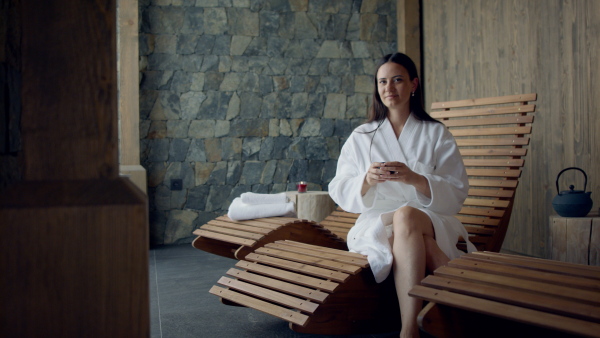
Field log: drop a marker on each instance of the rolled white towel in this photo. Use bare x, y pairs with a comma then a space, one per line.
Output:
239, 211
254, 198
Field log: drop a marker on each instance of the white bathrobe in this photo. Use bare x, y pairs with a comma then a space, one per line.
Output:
427, 148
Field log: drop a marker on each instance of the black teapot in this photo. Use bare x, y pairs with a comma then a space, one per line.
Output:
572, 203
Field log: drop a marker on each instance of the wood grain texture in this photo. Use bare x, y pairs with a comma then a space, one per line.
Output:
69, 121
73, 235
75, 265
494, 48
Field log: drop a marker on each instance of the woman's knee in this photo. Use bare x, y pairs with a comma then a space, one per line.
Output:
408, 220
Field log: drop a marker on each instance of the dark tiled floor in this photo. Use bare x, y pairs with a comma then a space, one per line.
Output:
180, 277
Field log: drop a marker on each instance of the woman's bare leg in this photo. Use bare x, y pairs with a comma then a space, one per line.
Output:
414, 249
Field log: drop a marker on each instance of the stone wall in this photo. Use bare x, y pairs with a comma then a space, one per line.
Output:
250, 95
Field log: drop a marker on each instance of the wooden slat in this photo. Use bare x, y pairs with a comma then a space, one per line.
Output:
509, 151
558, 264
345, 214
512, 283
276, 284
494, 142
487, 111
500, 193
539, 264
267, 223
474, 182
518, 119
227, 231
344, 253
525, 299
308, 259
485, 162
224, 238
269, 295
478, 220
328, 224
513, 173
272, 309
240, 227
479, 230
299, 267
485, 202
309, 251
506, 311
481, 212
525, 273
339, 219
521, 98
319, 284
341, 234
491, 131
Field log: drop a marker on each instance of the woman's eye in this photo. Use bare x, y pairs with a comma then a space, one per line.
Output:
397, 80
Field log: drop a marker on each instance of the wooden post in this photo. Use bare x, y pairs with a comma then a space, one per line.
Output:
73, 235
129, 97
409, 31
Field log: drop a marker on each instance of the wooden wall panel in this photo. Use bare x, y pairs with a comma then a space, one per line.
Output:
491, 48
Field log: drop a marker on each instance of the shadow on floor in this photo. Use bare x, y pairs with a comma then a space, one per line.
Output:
181, 306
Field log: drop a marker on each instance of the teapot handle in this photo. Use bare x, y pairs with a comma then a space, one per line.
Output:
560, 173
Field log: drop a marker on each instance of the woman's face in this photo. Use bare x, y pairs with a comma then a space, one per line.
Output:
394, 85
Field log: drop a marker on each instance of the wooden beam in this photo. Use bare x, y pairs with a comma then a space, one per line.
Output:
69, 102
73, 235
409, 30
129, 93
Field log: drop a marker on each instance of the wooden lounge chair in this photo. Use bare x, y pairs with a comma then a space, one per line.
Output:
236, 239
503, 294
491, 134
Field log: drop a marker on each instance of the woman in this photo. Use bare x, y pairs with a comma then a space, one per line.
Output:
402, 171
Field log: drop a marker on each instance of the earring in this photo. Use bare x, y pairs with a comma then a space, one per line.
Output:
413, 94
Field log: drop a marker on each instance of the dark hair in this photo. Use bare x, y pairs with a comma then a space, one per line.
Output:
378, 111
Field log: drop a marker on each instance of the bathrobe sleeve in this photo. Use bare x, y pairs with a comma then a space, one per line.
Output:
449, 182
345, 188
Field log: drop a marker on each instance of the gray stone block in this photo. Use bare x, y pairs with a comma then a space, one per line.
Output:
282, 171
197, 197
316, 149
218, 176
251, 172
158, 150
179, 149
182, 82
196, 151
234, 171
193, 22
250, 148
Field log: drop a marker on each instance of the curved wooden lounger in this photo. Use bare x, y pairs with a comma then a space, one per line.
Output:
236, 239
316, 289
330, 299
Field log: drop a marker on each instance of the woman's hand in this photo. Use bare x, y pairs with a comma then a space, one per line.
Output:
374, 176
396, 172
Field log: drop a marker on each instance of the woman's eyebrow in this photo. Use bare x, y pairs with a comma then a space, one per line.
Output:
393, 77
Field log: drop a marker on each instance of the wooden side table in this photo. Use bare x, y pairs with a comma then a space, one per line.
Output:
575, 239
312, 205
